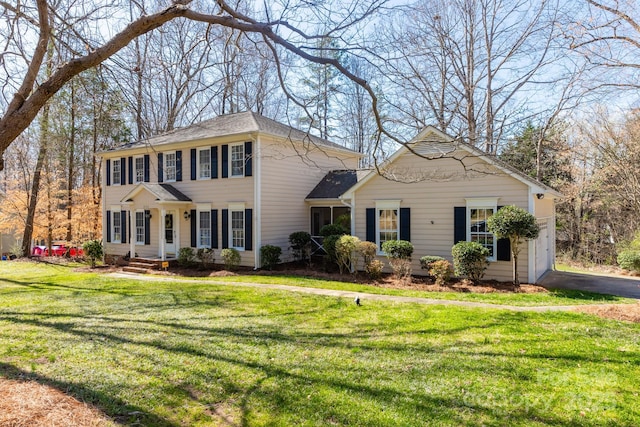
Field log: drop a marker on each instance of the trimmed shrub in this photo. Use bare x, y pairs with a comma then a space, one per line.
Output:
441, 270
470, 259
629, 260
347, 253
270, 256
427, 260
333, 230
398, 249
367, 251
329, 246
231, 258
93, 250
206, 257
300, 242
186, 257
374, 269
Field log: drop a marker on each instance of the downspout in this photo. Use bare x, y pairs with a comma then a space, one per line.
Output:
531, 244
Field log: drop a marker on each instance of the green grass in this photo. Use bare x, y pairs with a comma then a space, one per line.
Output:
195, 354
553, 297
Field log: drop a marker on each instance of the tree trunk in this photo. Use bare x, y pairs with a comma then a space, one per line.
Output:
71, 164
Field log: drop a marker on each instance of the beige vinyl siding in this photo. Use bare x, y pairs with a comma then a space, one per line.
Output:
432, 203
288, 175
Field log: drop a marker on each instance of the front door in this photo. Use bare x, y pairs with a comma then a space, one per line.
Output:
169, 234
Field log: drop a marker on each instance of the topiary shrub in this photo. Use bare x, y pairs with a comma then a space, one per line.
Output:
333, 230
470, 259
206, 257
441, 270
427, 260
399, 253
300, 242
93, 250
374, 269
270, 256
629, 260
186, 257
231, 258
347, 253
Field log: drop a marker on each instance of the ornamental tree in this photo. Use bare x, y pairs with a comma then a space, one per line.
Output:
517, 225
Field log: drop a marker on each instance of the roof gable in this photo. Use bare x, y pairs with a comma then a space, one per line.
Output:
162, 193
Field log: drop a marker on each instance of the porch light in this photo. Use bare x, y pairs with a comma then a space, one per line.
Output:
147, 215
186, 215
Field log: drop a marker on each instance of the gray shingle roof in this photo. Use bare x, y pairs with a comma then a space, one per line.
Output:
162, 193
231, 124
336, 183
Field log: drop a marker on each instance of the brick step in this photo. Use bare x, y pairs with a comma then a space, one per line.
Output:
146, 265
139, 270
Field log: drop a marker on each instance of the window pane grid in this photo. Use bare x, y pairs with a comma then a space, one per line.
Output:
237, 160
237, 229
387, 225
117, 229
205, 229
116, 172
170, 166
140, 227
478, 228
205, 163
139, 169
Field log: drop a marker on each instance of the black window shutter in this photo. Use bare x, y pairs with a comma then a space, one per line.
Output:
123, 228
193, 164
160, 167
214, 228
147, 227
225, 228
405, 224
130, 170
214, 162
371, 225
503, 248
194, 228
108, 171
248, 166
248, 229
108, 231
179, 165
146, 168
225, 161
123, 171
459, 224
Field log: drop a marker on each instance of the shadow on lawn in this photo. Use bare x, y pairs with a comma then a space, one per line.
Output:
584, 295
125, 414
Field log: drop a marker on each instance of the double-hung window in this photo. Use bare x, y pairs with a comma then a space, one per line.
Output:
140, 227
237, 160
139, 168
170, 166
117, 172
478, 212
387, 221
204, 229
204, 163
117, 226
237, 229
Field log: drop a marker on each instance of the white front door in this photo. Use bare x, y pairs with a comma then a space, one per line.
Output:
170, 234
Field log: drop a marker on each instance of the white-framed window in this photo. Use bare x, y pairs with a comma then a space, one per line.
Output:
204, 163
236, 226
116, 226
478, 212
387, 222
237, 159
204, 229
170, 166
117, 171
139, 169
140, 227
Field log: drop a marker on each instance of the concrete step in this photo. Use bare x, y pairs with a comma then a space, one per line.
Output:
141, 264
139, 270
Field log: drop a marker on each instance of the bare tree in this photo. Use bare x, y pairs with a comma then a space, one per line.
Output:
29, 91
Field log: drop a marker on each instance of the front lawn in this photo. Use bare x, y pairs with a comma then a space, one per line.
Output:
189, 354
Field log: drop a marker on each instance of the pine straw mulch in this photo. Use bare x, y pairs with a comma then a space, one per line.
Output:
31, 404
624, 312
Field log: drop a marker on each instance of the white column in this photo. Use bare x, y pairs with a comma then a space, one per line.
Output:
163, 249
132, 237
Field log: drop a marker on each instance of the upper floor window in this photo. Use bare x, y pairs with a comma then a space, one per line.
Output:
170, 166
237, 160
204, 163
117, 172
139, 168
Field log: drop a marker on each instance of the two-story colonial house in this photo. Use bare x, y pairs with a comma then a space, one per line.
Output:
243, 181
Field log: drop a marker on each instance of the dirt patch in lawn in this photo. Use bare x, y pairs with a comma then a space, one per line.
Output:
625, 312
30, 404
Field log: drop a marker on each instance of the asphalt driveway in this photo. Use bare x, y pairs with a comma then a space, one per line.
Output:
628, 287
